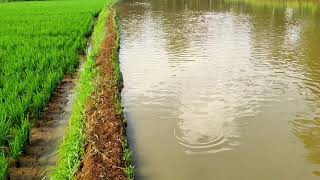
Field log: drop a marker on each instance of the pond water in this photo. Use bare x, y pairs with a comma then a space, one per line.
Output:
222, 89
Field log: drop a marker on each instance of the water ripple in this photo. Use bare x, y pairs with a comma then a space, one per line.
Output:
229, 80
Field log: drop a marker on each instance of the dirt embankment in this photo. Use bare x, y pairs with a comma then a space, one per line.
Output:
105, 126
39, 155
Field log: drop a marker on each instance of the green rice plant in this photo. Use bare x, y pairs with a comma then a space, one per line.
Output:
3, 166
4, 130
16, 144
25, 130
21, 136
40, 42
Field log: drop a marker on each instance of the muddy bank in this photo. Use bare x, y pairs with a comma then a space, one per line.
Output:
105, 125
40, 155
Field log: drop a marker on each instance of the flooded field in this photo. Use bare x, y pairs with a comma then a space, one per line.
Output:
221, 90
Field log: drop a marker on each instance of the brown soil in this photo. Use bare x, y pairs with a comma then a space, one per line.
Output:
105, 128
40, 155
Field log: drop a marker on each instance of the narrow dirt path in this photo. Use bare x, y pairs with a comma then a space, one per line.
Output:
40, 154
105, 133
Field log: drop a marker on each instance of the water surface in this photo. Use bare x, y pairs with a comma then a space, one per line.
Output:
221, 89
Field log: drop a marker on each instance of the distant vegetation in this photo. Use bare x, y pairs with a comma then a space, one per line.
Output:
17, 0
310, 5
40, 42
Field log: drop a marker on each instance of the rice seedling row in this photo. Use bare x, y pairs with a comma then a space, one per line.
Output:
39, 43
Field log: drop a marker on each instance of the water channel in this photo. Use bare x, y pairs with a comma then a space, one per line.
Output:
221, 90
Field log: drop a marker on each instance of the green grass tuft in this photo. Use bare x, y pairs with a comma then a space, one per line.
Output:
3, 166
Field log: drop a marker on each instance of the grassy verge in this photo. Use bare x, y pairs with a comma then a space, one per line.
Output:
40, 42
72, 148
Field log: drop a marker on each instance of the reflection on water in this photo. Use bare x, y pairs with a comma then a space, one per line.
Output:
222, 89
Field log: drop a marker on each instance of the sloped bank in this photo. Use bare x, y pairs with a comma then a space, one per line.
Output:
96, 146
106, 154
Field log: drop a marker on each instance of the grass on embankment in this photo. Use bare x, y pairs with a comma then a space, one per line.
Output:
39, 44
72, 148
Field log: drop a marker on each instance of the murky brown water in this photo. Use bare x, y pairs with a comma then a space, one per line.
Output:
221, 90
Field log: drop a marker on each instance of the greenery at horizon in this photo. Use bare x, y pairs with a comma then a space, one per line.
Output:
310, 5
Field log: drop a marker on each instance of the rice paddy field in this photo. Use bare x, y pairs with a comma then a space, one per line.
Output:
225, 89
40, 42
